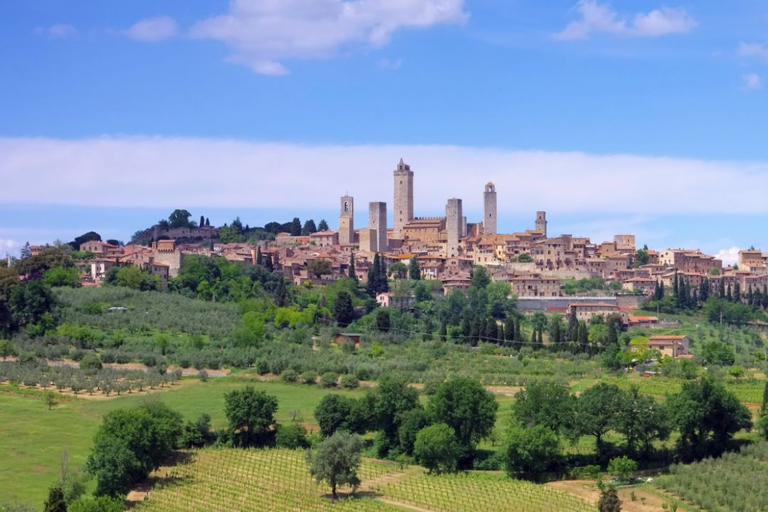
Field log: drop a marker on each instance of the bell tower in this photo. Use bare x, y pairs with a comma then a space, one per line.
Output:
347, 221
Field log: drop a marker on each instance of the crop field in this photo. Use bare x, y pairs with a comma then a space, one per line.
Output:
270, 480
33, 438
278, 480
480, 492
736, 482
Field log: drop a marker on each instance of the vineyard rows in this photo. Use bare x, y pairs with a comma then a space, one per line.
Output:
224, 480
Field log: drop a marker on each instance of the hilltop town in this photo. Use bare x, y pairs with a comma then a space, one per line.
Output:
537, 266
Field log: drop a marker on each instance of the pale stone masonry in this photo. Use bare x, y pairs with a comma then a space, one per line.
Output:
347, 221
489, 209
377, 221
453, 226
541, 223
403, 213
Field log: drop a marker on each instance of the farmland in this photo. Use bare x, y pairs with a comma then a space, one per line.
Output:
277, 480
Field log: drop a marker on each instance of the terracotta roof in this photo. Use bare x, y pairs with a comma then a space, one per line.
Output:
666, 338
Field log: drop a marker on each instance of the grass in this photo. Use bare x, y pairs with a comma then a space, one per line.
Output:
33, 439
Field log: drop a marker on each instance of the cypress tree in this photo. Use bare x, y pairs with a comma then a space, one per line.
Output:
475, 331
351, 271
583, 335
202, 221
259, 258
729, 296
765, 395
676, 289
443, 331
501, 335
704, 289
764, 302
296, 227
573, 325
721, 288
737, 292
414, 270
343, 312
518, 336
609, 501
373, 277
268, 263
281, 294
491, 330
509, 328
207, 221
750, 296
55, 501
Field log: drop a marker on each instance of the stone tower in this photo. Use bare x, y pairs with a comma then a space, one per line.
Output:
347, 221
377, 221
403, 197
541, 222
453, 227
489, 209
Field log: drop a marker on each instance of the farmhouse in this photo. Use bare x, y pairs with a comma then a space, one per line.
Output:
674, 346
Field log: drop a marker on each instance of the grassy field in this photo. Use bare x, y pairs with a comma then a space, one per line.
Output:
33, 439
278, 480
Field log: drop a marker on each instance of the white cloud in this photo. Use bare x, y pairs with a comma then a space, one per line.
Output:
729, 256
756, 50
752, 82
165, 172
261, 33
9, 246
390, 64
601, 18
59, 31
153, 29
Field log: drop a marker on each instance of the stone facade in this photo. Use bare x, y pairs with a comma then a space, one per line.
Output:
403, 197
377, 221
165, 252
347, 221
454, 222
541, 222
489, 209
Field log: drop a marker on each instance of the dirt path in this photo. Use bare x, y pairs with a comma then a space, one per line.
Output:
404, 506
645, 500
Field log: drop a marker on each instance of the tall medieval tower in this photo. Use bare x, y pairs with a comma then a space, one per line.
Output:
541, 222
489, 209
347, 221
453, 227
403, 197
377, 222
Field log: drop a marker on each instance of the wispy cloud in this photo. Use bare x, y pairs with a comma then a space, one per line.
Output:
600, 18
751, 82
263, 33
153, 29
391, 64
756, 50
163, 172
59, 31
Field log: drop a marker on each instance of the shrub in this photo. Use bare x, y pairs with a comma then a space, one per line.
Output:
622, 468
90, 362
308, 377
329, 379
292, 436
289, 375
349, 381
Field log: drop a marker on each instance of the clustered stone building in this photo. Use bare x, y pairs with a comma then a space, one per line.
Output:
448, 248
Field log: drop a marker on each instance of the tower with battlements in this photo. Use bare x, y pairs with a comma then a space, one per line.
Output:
489, 209
377, 222
541, 222
347, 221
403, 197
453, 226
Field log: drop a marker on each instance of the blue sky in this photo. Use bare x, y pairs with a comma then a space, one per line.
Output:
639, 116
